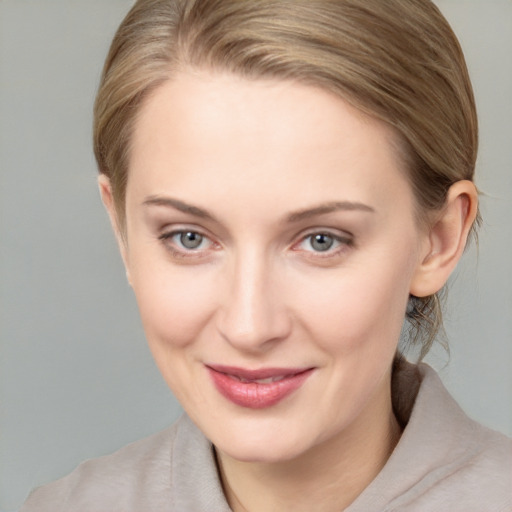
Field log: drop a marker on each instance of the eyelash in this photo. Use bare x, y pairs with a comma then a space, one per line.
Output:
183, 252
343, 242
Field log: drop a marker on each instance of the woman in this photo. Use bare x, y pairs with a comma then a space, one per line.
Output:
288, 181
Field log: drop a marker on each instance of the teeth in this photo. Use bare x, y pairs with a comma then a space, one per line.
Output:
269, 380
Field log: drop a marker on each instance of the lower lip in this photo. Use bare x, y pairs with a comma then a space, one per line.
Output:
255, 395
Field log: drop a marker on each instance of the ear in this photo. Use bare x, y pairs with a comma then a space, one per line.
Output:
108, 201
446, 239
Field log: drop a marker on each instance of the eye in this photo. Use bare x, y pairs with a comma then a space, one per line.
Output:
189, 239
186, 242
321, 242
324, 243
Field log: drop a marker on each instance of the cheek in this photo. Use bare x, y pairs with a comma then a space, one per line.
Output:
359, 306
174, 304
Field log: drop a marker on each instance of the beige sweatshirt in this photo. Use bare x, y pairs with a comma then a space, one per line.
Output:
444, 462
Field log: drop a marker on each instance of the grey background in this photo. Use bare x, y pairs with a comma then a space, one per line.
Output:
76, 378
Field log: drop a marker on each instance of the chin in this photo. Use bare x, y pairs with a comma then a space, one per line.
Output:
261, 444
251, 453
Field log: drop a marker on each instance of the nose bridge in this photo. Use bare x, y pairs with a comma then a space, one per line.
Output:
253, 313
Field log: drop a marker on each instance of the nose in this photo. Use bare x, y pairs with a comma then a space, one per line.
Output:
253, 316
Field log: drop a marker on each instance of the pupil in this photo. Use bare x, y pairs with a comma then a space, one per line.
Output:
191, 240
322, 242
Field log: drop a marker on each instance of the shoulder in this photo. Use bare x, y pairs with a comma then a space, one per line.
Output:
116, 481
456, 463
475, 472
172, 471
444, 460
481, 475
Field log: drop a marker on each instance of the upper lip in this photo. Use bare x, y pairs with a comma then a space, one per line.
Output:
261, 373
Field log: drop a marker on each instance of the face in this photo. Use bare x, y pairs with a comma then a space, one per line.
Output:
271, 245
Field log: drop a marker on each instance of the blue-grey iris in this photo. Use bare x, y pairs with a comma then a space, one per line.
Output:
321, 242
191, 240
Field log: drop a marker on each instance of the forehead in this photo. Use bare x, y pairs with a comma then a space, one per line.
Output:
203, 102
206, 132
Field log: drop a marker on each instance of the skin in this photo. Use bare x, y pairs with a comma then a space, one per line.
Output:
255, 168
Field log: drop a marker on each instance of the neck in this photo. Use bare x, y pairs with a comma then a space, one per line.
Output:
328, 477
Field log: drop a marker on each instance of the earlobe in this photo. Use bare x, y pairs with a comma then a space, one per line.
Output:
446, 239
108, 201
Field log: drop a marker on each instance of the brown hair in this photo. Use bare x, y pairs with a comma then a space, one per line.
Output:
397, 60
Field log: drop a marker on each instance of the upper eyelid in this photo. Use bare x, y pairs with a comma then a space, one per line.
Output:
218, 234
166, 236
181, 253
338, 239
168, 231
173, 232
338, 234
343, 238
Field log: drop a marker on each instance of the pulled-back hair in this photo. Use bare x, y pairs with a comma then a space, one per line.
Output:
396, 60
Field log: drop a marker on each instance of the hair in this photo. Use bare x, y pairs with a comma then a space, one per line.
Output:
396, 60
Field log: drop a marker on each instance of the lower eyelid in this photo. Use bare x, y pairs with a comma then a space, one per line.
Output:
166, 238
342, 245
179, 252
167, 235
345, 240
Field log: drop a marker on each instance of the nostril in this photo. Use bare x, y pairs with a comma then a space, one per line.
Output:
252, 315
254, 331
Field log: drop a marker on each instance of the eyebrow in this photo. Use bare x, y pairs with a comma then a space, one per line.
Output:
326, 208
297, 216
178, 205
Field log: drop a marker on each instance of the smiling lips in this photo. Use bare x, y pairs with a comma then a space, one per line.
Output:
257, 389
